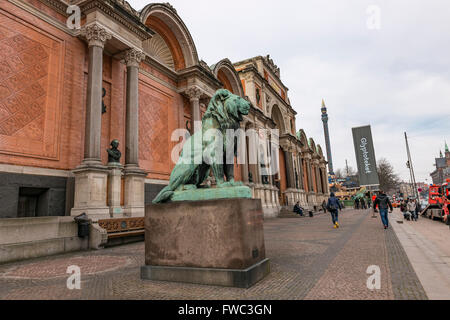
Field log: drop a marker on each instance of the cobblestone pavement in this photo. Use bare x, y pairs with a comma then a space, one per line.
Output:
309, 260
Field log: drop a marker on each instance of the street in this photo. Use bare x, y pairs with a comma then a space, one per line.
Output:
309, 260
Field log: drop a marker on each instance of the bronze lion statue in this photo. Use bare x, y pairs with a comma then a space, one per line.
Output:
199, 155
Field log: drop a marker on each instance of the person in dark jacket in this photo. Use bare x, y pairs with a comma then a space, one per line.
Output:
333, 207
357, 203
363, 204
383, 203
369, 202
298, 210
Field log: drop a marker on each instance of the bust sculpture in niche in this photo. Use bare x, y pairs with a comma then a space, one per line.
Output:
114, 154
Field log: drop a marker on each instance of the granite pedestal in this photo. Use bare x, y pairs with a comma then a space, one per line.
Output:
215, 242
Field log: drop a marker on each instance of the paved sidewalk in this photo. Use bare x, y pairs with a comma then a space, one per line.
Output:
427, 245
309, 260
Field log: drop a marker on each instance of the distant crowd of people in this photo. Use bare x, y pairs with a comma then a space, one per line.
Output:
363, 203
380, 203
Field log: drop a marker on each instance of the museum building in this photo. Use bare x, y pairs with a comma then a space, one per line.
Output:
125, 75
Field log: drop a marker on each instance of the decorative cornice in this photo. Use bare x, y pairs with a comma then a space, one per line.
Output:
95, 35
56, 5
199, 71
171, 74
134, 57
206, 67
122, 12
125, 5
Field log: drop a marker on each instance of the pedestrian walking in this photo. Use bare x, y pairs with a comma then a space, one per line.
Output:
411, 208
403, 208
333, 206
418, 209
363, 204
297, 209
357, 203
383, 203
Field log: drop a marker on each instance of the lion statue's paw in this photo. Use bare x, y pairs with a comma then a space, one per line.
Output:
224, 185
230, 184
187, 187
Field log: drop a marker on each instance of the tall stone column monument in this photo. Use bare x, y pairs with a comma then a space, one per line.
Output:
327, 137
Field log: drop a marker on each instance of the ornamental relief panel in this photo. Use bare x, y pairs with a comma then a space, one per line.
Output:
154, 145
30, 80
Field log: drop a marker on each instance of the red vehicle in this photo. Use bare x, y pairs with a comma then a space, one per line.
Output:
438, 202
435, 195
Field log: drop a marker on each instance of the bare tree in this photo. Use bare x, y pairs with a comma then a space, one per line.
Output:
342, 173
389, 180
351, 172
339, 173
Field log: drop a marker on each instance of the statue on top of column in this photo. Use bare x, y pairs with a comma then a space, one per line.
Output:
114, 154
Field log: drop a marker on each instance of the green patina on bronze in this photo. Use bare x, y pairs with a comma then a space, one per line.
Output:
199, 155
212, 194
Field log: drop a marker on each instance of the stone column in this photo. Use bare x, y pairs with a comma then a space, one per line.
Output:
319, 181
91, 177
245, 167
194, 94
300, 173
311, 182
96, 37
134, 177
289, 169
314, 177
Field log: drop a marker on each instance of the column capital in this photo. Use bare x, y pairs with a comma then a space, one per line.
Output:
194, 93
95, 35
133, 57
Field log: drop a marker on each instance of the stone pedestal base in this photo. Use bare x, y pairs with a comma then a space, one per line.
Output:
134, 192
218, 242
115, 190
213, 277
90, 192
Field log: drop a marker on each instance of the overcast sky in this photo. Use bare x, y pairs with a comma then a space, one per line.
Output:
395, 78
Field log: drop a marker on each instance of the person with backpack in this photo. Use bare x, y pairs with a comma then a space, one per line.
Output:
333, 206
383, 203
